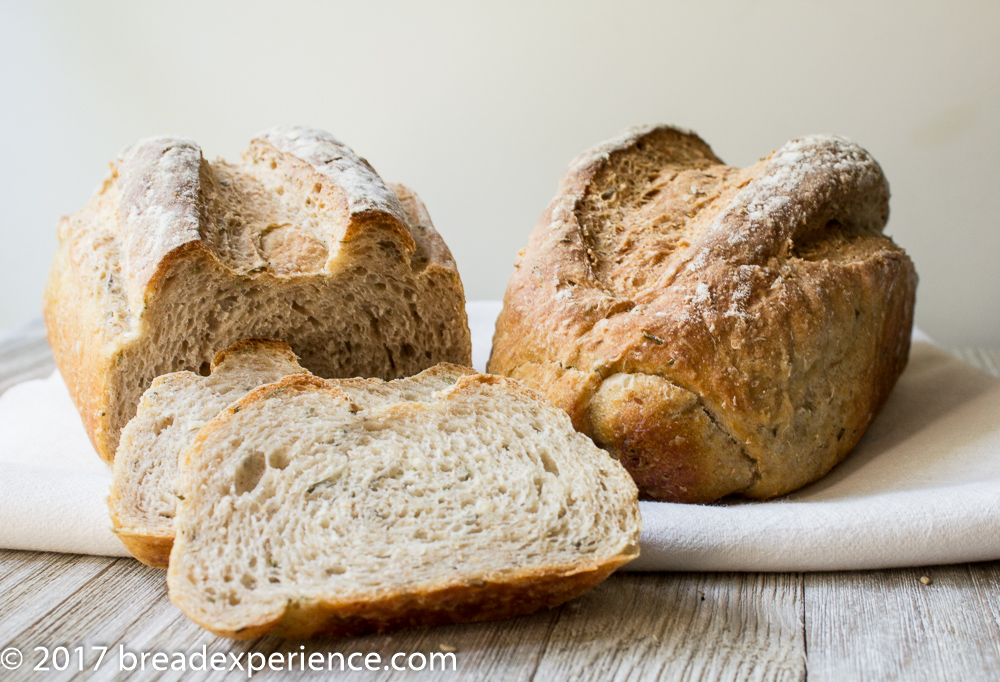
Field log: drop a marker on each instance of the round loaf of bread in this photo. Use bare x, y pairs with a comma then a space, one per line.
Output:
719, 330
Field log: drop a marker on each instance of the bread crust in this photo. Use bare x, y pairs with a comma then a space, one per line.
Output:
161, 219
718, 330
519, 593
500, 595
152, 549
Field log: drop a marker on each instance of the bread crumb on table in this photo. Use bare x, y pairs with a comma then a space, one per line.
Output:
925, 580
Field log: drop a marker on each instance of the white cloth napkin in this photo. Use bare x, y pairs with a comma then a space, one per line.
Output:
922, 487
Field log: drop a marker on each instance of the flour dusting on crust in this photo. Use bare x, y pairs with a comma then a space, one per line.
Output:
160, 183
334, 159
777, 197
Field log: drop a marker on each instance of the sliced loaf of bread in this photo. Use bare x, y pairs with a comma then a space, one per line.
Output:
171, 413
177, 256
314, 507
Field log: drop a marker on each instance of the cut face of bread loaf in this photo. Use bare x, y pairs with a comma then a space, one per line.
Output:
719, 330
339, 507
171, 413
176, 257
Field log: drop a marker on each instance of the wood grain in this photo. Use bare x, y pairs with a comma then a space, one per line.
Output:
685, 626
888, 625
34, 583
24, 354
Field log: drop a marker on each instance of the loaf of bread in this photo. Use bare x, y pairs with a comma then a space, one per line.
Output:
175, 258
315, 507
171, 413
719, 330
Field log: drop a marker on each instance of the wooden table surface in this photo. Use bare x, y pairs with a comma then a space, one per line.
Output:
930, 623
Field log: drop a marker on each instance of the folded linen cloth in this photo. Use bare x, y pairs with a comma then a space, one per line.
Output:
922, 487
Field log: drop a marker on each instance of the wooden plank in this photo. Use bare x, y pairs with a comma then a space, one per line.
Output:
686, 626
34, 583
24, 354
99, 612
501, 650
888, 625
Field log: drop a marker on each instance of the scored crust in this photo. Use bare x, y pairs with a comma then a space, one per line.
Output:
462, 595
719, 330
176, 257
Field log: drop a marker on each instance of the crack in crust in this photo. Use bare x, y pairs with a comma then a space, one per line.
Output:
769, 293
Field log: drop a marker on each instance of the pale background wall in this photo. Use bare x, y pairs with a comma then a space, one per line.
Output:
480, 106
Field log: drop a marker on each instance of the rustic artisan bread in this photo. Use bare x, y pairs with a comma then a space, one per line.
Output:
175, 258
337, 507
719, 330
171, 413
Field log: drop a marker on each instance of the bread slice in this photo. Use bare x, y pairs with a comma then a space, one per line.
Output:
176, 257
172, 412
315, 507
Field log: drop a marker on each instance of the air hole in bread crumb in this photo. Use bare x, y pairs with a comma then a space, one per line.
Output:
205, 368
162, 424
249, 472
248, 581
278, 459
548, 462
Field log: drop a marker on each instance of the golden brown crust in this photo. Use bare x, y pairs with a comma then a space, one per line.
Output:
151, 550
770, 311
520, 593
75, 334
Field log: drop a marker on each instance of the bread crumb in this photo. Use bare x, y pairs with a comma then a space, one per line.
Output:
447, 648
925, 580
